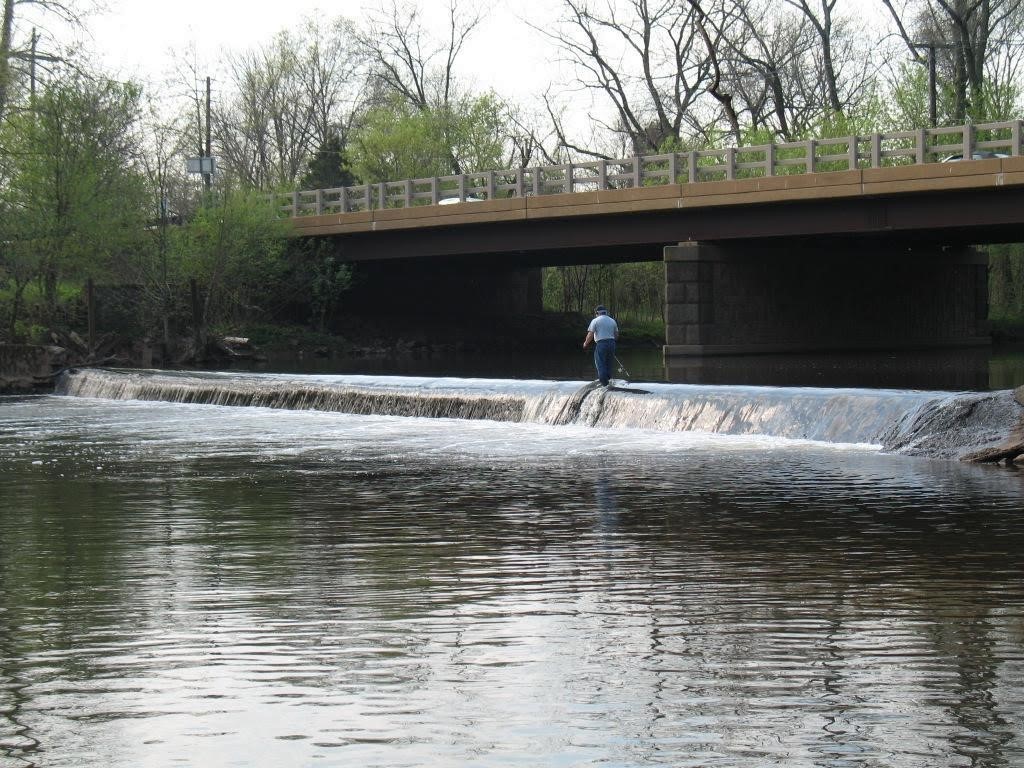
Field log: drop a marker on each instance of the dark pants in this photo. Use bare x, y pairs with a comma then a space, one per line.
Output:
604, 356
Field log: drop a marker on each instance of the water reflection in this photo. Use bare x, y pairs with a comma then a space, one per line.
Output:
958, 369
185, 584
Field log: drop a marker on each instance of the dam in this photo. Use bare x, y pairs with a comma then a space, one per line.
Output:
913, 422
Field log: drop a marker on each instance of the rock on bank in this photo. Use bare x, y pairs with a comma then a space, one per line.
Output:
974, 427
28, 367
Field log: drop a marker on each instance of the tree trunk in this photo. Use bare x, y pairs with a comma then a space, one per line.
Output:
198, 329
19, 292
6, 30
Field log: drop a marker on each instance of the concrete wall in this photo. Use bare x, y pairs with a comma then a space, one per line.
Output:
744, 298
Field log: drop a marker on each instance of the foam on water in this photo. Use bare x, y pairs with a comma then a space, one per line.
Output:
841, 416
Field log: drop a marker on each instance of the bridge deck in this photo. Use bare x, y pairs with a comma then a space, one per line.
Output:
911, 181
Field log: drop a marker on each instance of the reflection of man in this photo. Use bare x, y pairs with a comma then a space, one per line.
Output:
603, 331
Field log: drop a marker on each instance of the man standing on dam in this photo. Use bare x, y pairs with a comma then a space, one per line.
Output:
603, 331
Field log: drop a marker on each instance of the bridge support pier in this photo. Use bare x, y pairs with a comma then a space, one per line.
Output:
748, 298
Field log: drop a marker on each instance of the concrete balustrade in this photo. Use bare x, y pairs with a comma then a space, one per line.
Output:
767, 161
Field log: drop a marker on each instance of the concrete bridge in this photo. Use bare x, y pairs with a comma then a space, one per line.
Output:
859, 242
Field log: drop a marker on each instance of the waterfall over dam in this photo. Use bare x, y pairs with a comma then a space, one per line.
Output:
935, 424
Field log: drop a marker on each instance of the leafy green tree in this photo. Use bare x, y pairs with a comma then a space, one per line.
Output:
474, 129
74, 195
232, 249
400, 141
18, 268
1006, 284
910, 97
329, 167
319, 278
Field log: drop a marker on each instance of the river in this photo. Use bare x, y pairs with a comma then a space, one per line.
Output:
184, 583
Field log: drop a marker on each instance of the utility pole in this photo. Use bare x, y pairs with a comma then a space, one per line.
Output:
32, 67
208, 176
33, 56
932, 107
204, 163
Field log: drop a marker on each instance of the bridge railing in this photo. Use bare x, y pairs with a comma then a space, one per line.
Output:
878, 150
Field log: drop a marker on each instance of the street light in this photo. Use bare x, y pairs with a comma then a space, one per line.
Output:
930, 48
932, 109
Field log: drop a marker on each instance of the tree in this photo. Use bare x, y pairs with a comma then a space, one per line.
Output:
18, 267
232, 249
413, 74
291, 98
715, 86
977, 49
399, 141
74, 187
635, 290
405, 56
648, 62
320, 278
67, 12
679, 74
821, 20
173, 197
328, 167
791, 69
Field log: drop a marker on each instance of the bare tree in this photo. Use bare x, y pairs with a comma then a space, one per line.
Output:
648, 61
332, 79
37, 11
685, 71
407, 60
821, 20
288, 99
526, 140
770, 48
716, 87
791, 67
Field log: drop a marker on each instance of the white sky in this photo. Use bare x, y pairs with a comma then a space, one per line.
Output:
149, 40
140, 38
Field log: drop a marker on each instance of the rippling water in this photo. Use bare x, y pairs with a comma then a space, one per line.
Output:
204, 585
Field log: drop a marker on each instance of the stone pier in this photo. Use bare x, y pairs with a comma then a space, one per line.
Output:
743, 298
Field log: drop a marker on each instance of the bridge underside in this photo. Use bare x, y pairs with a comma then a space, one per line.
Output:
805, 274
737, 297
445, 288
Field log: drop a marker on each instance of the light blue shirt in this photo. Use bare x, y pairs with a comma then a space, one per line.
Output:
604, 327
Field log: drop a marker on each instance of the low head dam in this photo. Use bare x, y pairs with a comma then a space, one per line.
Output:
756, 258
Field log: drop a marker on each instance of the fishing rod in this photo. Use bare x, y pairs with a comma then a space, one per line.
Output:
622, 368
